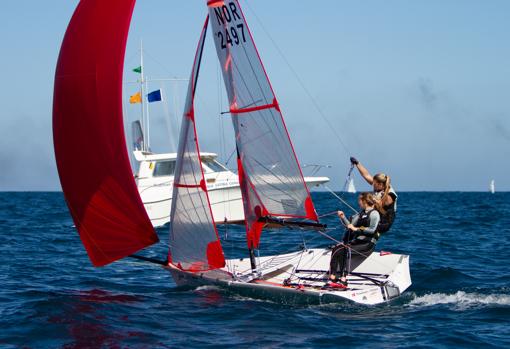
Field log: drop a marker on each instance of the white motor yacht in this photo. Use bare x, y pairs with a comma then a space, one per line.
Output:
155, 177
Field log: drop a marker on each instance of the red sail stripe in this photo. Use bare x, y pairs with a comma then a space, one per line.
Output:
186, 185
260, 107
215, 3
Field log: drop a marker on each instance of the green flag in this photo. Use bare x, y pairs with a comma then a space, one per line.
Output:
138, 69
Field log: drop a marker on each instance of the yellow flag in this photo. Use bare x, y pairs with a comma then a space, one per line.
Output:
136, 98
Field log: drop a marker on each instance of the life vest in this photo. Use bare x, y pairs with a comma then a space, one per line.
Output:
364, 218
364, 221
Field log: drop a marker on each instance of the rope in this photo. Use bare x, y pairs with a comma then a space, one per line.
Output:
303, 86
339, 198
328, 214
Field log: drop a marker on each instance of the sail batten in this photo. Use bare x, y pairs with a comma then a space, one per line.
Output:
88, 133
194, 241
270, 176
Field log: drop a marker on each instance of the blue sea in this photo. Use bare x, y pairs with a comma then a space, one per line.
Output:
51, 296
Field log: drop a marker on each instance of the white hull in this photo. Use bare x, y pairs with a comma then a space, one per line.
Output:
225, 202
378, 279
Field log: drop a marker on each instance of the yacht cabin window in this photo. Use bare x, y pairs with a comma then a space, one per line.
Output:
212, 166
164, 168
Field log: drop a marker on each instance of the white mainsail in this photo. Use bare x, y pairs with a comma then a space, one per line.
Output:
271, 180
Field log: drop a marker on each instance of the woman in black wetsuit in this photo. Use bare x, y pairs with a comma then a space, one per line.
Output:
358, 242
384, 194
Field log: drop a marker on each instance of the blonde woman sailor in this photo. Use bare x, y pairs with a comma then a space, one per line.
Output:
385, 195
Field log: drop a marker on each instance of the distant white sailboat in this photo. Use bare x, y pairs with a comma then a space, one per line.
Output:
492, 187
350, 187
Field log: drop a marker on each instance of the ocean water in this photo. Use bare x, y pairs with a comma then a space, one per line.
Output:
51, 296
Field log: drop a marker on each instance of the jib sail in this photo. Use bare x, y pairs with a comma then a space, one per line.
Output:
194, 242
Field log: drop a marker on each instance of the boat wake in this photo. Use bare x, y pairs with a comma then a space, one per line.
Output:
461, 299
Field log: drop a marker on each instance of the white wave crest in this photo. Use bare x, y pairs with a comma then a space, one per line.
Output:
208, 288
461, 299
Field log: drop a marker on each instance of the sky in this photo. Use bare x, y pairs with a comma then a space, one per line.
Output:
419, 90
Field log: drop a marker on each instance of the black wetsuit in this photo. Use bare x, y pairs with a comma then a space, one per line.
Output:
361, 243
390, 211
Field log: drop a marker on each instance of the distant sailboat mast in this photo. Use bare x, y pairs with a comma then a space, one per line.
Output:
492, 187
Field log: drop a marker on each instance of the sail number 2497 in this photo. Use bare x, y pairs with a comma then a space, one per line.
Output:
231, 31
231, 35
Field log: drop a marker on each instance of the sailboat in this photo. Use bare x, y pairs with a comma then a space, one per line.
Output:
272, 187
492, 187
109, 214
350, 186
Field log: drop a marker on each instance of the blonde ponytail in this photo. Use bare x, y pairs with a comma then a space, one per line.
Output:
386, 180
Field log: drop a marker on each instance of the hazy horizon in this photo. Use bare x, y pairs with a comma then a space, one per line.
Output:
415, 90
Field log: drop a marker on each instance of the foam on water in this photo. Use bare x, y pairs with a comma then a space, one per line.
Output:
461, 299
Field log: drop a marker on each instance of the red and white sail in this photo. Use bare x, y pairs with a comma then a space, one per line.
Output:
271, 180
194, 242
88, 133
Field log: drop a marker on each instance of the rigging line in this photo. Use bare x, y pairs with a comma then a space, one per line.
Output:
333, 130
339, 198
157, 62
252, 97
301, 255
282, 131
328, 214
230, 157
264, 119
289, 185
329, 237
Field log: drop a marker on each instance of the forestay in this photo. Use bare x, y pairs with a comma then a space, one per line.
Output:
271, 180
194, 242
88, 133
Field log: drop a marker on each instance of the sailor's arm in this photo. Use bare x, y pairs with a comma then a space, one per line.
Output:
362, 171
353, 222
342, 217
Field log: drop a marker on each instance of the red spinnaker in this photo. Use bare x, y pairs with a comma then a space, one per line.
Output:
88, 133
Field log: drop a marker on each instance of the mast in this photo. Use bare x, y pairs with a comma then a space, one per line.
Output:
145, 118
